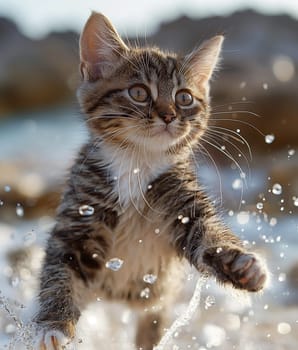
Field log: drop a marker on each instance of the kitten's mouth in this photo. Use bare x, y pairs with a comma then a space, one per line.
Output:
164, 130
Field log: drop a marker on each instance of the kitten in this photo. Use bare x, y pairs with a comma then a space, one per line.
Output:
133, 207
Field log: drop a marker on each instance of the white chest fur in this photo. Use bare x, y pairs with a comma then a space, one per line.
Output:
132, 172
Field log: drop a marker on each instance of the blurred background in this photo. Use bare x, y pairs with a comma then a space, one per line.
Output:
248, 162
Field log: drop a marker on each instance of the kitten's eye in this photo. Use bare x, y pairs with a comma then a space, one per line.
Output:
183, 98
138, 93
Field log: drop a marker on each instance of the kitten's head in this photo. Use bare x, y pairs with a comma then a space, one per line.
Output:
143, 97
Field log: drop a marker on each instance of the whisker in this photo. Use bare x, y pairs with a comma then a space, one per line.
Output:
248, 113
130, 194
211, 137
209, 133
216, 169
237, 165
227, 105
234, 133
225, 153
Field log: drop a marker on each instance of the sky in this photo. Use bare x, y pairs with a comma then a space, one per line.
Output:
36, 18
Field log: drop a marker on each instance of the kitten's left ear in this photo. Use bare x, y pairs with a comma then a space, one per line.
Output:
204, 60
100, 47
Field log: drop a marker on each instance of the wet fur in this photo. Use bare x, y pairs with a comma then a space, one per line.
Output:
140, 185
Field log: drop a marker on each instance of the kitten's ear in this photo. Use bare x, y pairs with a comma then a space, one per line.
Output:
100, 47
204, 60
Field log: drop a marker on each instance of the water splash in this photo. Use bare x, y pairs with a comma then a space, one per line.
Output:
185, 317
24, 333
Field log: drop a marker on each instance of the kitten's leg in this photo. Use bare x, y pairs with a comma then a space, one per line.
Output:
200, 236
149, 331
69, 270
212, 247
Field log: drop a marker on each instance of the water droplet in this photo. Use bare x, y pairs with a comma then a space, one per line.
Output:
291, 152
243, 217
284, 328
136, 170
115, 178
266, 306
231, 213
260, 206
149, 187
94, 255
185, 220
282, 255
237, 184
273, 222
238, 130
269, 138
278, 238
296, 202
157, 231
149, 278
1, 203
265, 86
145, 293
86, 210
7, 188
282, 277
180, 217
276, 189
209, 301
223, 147
19, 210
218, 250
114, 264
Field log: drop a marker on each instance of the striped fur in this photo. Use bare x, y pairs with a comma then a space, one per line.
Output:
137, 173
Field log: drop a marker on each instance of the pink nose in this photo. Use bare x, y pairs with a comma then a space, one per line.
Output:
167, 117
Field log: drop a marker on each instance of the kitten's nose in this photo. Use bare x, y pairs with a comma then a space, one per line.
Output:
167, 116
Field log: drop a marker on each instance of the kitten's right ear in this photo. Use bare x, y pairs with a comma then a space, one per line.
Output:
100, 47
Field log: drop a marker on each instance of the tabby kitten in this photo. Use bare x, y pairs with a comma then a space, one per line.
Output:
133, 207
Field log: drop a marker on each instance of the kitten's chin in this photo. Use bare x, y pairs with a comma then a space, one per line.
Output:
159, 142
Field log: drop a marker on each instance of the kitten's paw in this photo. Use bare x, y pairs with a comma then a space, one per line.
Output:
244, 270
53, 340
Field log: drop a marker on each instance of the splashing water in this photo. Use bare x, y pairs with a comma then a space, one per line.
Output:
185, 317
24, 332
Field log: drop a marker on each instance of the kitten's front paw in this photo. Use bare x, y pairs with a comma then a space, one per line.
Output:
244, 270
53, 340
